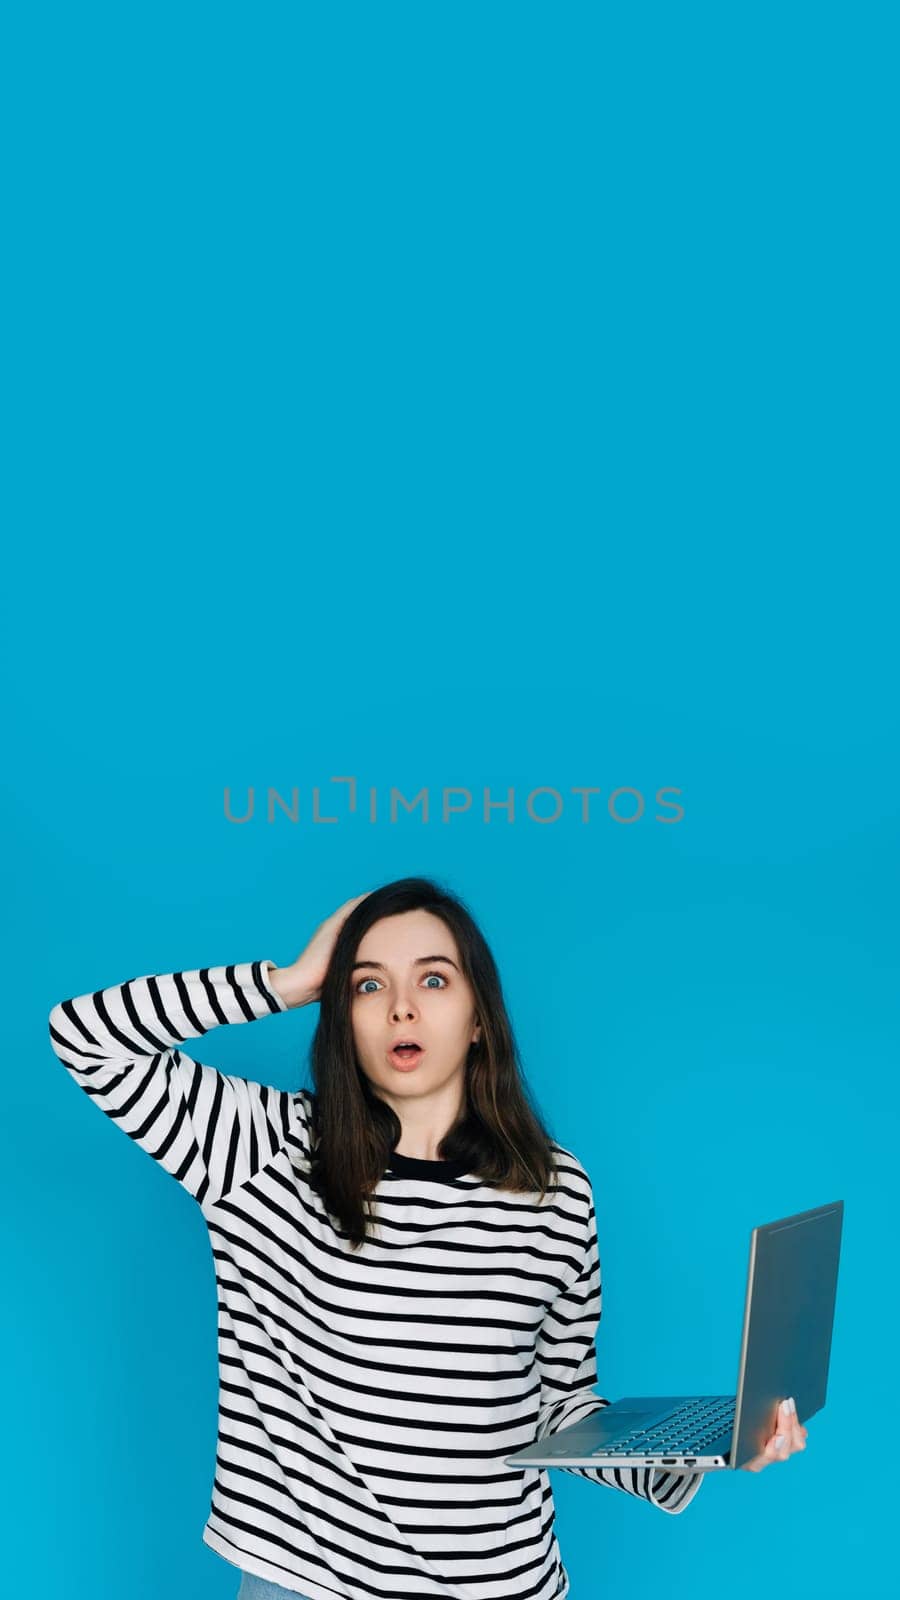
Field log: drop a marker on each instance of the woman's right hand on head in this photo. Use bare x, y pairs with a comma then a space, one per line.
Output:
302, 981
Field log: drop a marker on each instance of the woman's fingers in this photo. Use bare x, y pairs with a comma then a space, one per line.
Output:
790, 1436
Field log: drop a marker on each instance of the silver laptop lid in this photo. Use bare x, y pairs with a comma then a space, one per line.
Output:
788, 1322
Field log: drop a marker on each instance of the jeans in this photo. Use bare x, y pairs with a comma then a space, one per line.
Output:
253, 1588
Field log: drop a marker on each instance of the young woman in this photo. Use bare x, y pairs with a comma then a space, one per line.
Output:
406, 1260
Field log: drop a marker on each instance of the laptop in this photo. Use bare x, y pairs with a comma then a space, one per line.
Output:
785, 1350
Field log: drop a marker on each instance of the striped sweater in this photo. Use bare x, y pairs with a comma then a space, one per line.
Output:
366, 1399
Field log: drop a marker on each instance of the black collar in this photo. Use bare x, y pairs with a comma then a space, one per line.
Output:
412, 1167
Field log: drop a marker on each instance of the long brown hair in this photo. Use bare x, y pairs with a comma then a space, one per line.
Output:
499, 1133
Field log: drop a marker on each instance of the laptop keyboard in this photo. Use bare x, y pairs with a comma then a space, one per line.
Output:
689, 1430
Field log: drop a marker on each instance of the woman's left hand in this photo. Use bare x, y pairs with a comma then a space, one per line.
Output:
791, 1436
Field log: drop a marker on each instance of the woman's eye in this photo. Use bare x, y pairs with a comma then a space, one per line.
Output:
361, 990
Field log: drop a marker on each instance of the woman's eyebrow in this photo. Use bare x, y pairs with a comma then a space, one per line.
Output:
420, 961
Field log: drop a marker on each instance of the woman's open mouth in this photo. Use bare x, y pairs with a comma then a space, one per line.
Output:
405, 1056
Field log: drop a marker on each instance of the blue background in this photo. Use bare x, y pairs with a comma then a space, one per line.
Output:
492, 396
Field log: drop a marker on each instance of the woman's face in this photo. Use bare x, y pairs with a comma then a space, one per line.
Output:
407, 984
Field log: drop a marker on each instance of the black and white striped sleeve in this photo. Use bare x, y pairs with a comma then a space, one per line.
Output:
567, 1362
209, 1130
